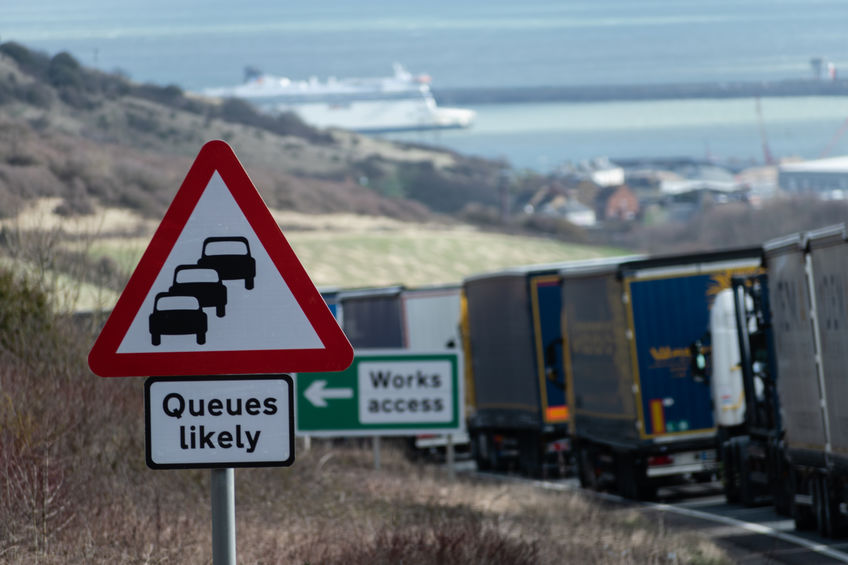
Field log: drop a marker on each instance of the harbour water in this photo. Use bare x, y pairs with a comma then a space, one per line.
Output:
497, 43
543, 136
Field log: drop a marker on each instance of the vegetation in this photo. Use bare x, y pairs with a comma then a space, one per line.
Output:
75, 488
88, 136
731, 226
73, 484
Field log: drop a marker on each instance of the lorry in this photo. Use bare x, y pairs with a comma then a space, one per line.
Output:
742, 373
430, 320
807, 283
371, 318
640, 418
518, 417
395, 317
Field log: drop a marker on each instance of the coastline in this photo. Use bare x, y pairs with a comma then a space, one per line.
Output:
608, 93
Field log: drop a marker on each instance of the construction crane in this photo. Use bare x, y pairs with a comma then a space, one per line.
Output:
834, 140
767, 156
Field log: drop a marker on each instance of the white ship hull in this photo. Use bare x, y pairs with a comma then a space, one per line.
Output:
398, 103
377, 116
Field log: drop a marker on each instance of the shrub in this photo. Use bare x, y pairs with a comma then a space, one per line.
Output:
36, 94
24, 314
461, 543
31, 62
65, 72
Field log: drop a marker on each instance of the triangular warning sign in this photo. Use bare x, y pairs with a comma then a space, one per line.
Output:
219, 291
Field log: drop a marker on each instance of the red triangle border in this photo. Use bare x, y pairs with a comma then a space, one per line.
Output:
104, 360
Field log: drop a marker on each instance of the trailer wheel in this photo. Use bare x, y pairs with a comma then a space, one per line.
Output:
782, 498
586, 469
730, 473
747, 494
531, 461
827, 508
480, 451
818, 496
781, 488
803, 515
631, 479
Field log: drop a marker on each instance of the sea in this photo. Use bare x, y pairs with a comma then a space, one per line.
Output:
495, 43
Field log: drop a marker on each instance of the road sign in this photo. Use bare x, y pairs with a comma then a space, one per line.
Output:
383, 392
219, 422
219, 290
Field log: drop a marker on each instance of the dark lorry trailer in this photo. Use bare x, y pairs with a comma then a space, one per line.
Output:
371, 318
808, 279
517, 415
639, 417
395, 317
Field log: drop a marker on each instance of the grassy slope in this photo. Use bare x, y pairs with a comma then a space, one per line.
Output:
418, 257
348, 251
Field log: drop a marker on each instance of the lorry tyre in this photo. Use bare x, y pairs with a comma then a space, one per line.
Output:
730, 473
781, 485
827, 513
747, 494
481, 453
493, 460
818, 503
586, 469
782, 497
531, 463
803, 515
631, 480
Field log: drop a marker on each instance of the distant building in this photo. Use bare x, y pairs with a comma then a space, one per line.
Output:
571, 210
825, 178
580, 214
761, 183
600, 171
617, 203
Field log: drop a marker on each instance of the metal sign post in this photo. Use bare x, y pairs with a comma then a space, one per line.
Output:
223, 517
449, 458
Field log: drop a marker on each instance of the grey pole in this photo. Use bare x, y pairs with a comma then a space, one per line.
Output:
449, 456
223, 517
376, 442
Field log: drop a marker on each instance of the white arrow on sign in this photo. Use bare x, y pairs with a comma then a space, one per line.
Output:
318, 395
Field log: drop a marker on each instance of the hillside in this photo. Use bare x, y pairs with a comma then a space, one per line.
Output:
90, 161
85, 136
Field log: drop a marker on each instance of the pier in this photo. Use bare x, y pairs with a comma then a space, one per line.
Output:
609, 93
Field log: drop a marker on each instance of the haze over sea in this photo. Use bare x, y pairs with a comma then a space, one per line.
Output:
493, 43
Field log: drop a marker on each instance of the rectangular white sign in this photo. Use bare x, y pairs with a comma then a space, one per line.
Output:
208, 422
404, 392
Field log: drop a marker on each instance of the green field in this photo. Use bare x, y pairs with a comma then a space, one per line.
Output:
413, 257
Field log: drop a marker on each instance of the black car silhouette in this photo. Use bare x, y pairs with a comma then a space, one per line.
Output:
203, 283
230, 256
177, 315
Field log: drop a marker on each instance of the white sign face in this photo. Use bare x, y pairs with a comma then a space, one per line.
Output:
243, 310
404, 392
221, 422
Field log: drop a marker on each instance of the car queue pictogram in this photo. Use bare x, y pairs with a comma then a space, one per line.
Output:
180, 310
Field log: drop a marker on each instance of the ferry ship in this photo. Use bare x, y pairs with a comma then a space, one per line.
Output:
401, 102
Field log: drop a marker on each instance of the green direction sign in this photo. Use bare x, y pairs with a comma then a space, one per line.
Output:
383, 392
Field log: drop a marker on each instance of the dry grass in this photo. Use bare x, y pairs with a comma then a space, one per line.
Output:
331, 508
337, 250
74, 487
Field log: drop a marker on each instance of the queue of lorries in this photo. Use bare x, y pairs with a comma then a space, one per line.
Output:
637, 372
